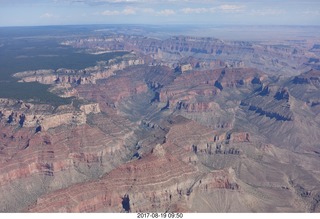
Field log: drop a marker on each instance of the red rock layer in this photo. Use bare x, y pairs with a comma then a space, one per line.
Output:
155, 183
162, 180
56, 150
131, 81
194, 91
156, 177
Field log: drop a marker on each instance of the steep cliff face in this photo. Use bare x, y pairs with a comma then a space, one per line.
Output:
311, 77
197, 91
68, 76
175, 181
58, 160
196, 169
157, 139
280, 111
271, 102
287, 59
184, 124
211, 97
62, 150
129, 82
43, 117
123, 182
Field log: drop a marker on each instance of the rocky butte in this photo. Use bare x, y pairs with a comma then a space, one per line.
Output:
184, 124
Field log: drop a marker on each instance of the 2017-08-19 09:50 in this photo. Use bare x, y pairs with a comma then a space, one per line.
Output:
159, 215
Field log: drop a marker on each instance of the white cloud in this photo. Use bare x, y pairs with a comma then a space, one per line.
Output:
126, 11
231, 8
135, 10
110, 13
197, 10
221, 8
166, 12
266, 12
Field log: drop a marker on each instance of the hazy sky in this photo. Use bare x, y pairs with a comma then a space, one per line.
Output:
215, 12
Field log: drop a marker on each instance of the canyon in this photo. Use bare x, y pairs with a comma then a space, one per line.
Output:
183, 124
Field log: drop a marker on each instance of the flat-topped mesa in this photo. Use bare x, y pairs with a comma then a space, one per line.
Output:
191, 63
18, 113
40, 72
77, 118
272, 59
172, 45
75, 77
149, 45
45, 121
185, 44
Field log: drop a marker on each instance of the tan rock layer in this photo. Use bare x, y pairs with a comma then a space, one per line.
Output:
161, 180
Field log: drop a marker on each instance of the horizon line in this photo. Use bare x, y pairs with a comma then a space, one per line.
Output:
141, 24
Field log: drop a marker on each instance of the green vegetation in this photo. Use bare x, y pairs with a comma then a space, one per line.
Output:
31, 92
33, 53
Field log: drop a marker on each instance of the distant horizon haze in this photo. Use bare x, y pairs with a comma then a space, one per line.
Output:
203, 12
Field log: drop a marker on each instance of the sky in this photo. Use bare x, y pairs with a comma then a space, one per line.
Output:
195, 12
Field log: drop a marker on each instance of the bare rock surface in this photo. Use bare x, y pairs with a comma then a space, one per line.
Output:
184, 124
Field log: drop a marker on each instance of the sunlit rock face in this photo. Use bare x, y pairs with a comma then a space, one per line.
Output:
176, 127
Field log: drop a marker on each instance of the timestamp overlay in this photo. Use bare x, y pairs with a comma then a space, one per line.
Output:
162, 215
159, 215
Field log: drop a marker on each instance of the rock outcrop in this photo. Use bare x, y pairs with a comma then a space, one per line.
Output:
287, 59
44, 116
184, 124
311, 77
85, 76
